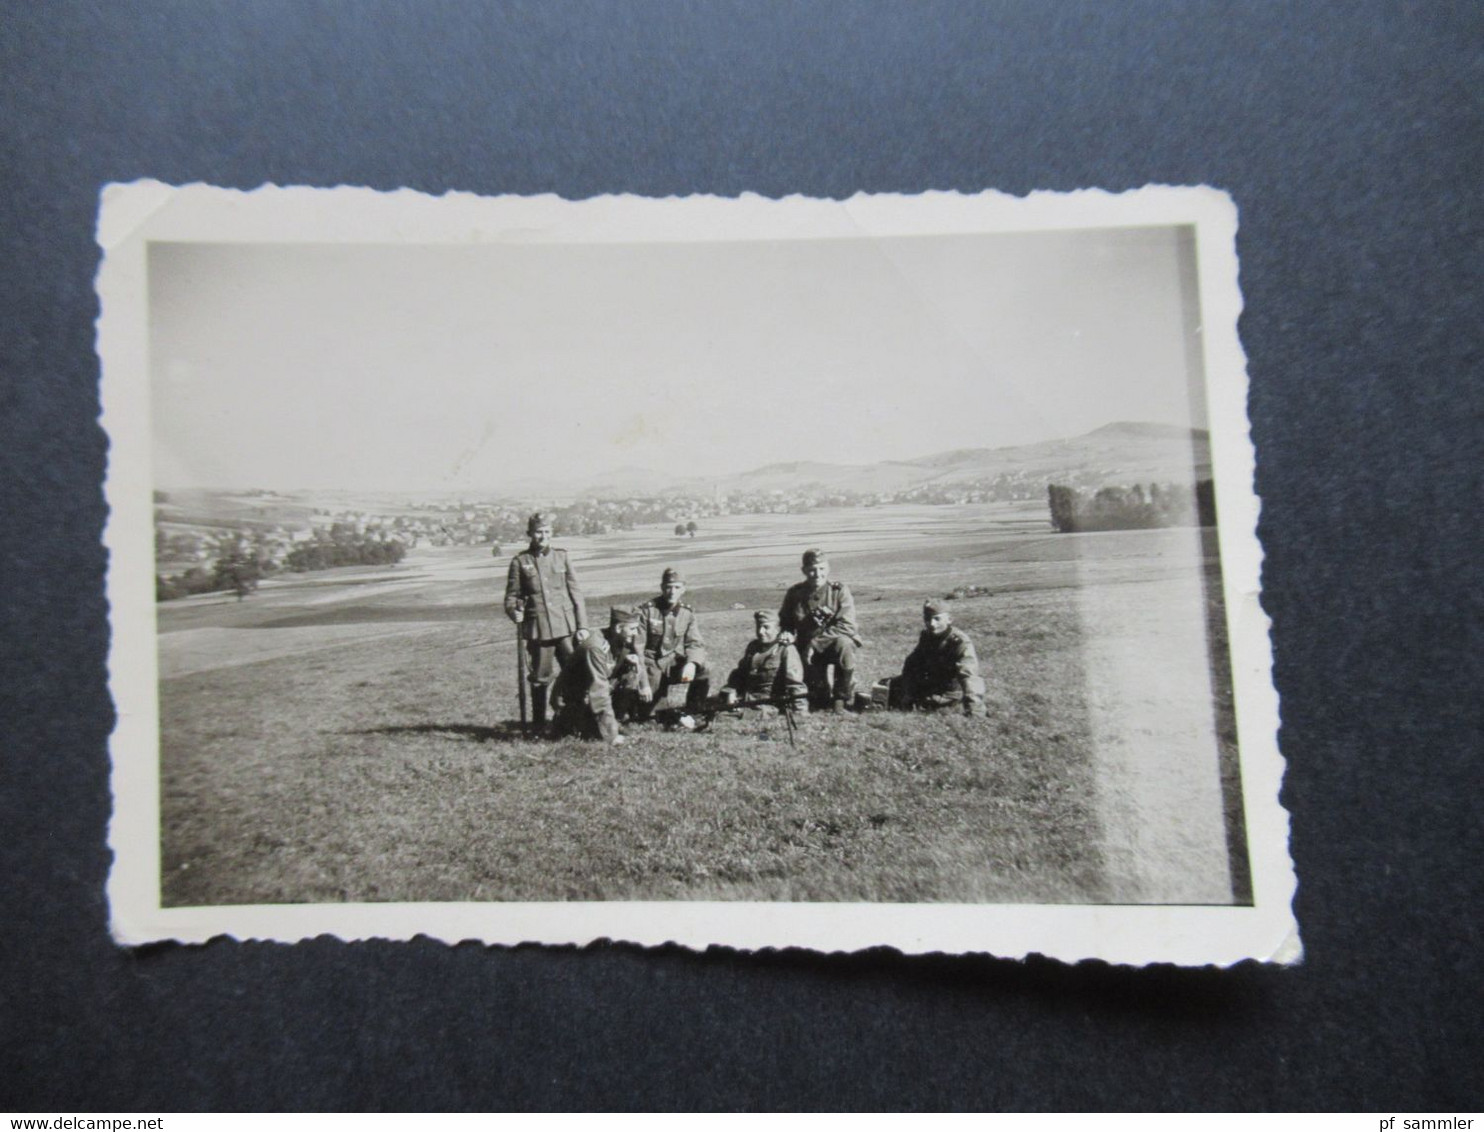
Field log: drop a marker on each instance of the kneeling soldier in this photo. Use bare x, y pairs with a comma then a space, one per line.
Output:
770, 671
581, 695
820, 615
630, 680
942, 671
673, 650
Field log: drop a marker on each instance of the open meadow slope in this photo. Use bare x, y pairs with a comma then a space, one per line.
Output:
350, 736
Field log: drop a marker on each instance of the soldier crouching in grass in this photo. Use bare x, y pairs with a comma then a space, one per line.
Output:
582, 696
543, 598
770, 673
632, 693
673, 650
819, 615
942, 671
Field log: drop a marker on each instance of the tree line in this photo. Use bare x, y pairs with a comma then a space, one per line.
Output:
326, 554
240, 561
1132, 508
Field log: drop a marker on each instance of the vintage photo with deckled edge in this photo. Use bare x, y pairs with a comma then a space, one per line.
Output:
761, 573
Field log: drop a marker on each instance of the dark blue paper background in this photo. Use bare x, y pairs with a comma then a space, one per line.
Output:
1350, 138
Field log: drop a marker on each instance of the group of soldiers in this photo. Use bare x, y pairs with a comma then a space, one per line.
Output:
651, 661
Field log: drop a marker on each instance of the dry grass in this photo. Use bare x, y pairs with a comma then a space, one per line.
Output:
389, 772
390, 768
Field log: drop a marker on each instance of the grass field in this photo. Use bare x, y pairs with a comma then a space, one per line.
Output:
349, 736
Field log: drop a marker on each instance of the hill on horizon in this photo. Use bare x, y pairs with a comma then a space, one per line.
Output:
1123, 451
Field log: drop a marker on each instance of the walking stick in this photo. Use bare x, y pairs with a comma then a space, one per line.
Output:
524, 690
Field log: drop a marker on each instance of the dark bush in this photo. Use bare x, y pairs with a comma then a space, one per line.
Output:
326, 553
1118, 508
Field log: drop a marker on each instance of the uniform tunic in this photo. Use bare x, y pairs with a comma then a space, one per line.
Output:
547, 585
584, 705
544, 585
671, 632
672, 639
823, 614
822, 620
942, 671
770, 672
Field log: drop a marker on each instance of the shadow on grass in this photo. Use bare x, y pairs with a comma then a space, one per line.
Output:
506, 731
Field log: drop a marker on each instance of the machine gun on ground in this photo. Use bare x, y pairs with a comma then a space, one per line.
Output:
730, 705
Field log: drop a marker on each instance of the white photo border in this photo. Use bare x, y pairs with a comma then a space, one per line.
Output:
133, 215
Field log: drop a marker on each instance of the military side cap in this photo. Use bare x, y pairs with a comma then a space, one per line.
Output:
814, 555
765, 617
934, 606
671, 575
538, 519
617, 617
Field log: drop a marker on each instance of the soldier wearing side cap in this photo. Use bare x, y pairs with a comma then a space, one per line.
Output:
581, 696
770, 671
543, 598
630, 679
673, 650
819, 616
942, 671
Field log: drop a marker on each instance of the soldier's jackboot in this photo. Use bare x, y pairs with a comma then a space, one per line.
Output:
538, 706
844, 692
817, 680
700, 691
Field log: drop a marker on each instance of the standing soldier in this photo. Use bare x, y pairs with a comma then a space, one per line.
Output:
673, 650
543, 598
942, 671
819, 615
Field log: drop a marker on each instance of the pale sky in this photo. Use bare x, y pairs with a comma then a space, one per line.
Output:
441, 367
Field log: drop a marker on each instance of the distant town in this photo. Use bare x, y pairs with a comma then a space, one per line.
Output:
209, 540
190, 525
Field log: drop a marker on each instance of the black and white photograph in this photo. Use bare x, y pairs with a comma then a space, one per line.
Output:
718, 556
767, 573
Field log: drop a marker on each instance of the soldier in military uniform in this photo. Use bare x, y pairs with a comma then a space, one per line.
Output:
942, 671
581, 696
543, 598
819, 616
770, 671
673, 649
632, 693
